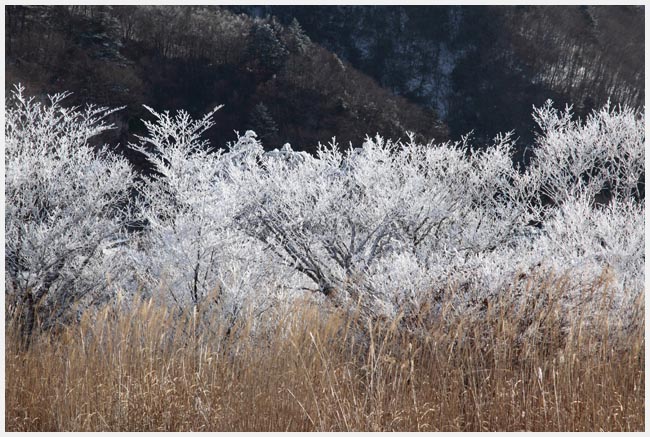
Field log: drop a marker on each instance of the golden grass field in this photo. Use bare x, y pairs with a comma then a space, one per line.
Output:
306, 368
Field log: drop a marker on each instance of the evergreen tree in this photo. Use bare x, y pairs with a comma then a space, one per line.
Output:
263, 124
265, 50
297, 41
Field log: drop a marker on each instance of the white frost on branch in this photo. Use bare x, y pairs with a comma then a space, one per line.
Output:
387, 226
66, 204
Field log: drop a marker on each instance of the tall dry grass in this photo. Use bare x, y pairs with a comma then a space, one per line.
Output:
504, 367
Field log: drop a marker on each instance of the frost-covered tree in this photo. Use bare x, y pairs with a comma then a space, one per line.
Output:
601, 157
177, 202
386, 224
587, 236
67, 204
387, 227
589, 196
191, 253
342, 218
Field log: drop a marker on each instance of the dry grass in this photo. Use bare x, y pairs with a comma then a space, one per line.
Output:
512, 368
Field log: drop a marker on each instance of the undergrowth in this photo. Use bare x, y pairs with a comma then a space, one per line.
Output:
308, 367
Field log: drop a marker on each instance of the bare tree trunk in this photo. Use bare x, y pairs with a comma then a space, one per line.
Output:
28, 317
28, 321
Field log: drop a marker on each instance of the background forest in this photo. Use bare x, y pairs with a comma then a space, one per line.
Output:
303, 74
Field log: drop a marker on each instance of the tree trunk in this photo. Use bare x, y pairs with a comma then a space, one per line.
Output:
28, 321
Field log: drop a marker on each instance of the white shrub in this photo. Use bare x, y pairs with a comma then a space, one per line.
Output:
388, 225
600, 157
391, 222
66, 204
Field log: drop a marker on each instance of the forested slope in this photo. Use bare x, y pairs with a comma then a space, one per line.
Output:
271, 78
482, 68
303, 74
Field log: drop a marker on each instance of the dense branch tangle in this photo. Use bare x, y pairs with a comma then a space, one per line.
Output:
385, 225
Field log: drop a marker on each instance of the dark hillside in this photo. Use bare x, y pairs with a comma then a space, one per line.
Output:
303, 74
271, 78
482, 68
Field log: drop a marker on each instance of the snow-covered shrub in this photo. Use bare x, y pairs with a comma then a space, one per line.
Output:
66, 204
388, 227
176, 202
600, 158
389, 223
340, 216
191, 253
590, 198
585, 239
